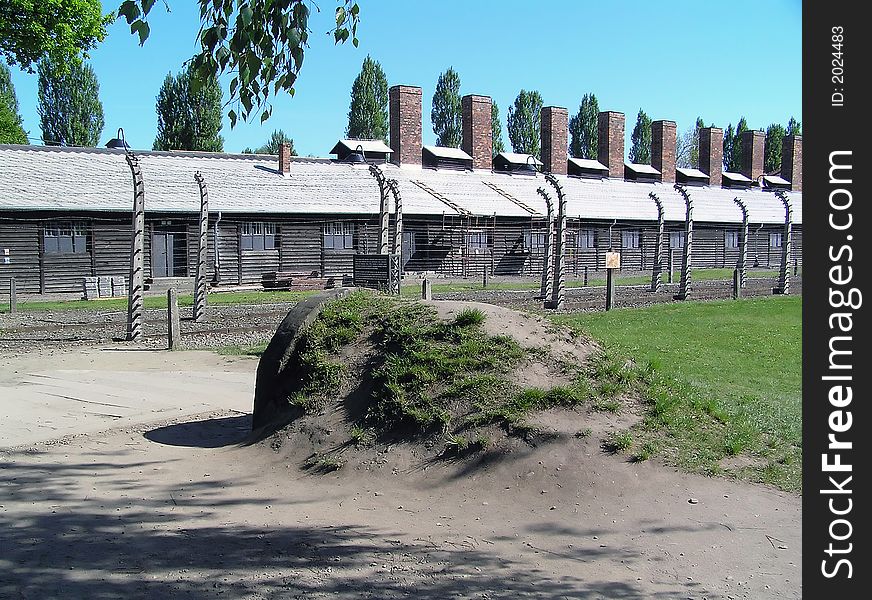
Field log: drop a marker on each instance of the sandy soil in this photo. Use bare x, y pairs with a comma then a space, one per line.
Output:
172, 506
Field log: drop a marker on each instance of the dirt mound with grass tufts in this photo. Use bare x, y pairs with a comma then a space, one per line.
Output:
377, 382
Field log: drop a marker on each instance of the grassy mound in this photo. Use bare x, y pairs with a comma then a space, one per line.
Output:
425, 378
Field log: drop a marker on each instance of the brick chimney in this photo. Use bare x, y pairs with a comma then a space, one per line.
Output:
663, 142
475, 119
791, 161
285, 159
610, 142
554, 132
711, 154
406, 124
752, 154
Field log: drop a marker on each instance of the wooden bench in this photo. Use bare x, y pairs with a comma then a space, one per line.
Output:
293, 280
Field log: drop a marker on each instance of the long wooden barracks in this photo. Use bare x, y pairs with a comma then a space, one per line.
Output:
65, 213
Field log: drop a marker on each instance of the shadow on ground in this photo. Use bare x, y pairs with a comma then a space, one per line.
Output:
58, 544
211, 433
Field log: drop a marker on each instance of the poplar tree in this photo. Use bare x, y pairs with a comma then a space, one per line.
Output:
189, 113
11, 130
496, 130
524, 122
728, 147
736, 158
640, 151
772, 147
446, 112
583, 129
70, 111
368, 112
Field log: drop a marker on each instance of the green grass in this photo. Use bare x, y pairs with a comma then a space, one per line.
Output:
726, 381
595, 279
158, 302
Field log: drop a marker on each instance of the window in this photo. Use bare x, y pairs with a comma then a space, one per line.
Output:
534, 240
586, 239
629, 239
732, 239
676, 239
476, 241
65, 238
339, 236
775, 239
258, 236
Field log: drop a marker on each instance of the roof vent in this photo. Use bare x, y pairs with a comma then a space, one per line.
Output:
587, 168
688, 176
518, 164
774, 182
640, 172
438, 157
370, 150
735, 180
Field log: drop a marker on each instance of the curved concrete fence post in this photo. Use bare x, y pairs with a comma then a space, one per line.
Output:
685, 286
384, 213
547, 259
742, 267
200, 278
136, 283
657, 268
558, 293
786, 243
394, 187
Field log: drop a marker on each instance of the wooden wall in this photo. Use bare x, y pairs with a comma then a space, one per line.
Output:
439, 247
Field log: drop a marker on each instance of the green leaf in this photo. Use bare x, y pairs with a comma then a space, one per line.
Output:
245, 14
130, 11
144, 31
232, 115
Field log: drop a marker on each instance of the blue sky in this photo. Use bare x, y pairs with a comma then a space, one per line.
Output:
674, 59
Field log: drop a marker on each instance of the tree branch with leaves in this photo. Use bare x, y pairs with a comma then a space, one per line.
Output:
260, 43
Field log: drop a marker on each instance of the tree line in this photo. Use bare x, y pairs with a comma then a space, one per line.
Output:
189, 116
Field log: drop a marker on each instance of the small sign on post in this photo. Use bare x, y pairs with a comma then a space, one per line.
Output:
613, 261
379, 271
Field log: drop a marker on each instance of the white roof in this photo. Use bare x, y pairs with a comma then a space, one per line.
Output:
735, 177
366, 145
775, 179
519, 159
445, 152
641, 168
694, 173
38, 178
588, 163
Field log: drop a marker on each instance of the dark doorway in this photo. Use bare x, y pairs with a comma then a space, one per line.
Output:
169, 247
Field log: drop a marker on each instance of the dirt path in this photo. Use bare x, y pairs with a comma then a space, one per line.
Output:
175, 509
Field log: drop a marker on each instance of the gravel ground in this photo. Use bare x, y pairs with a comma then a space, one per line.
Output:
246, 325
